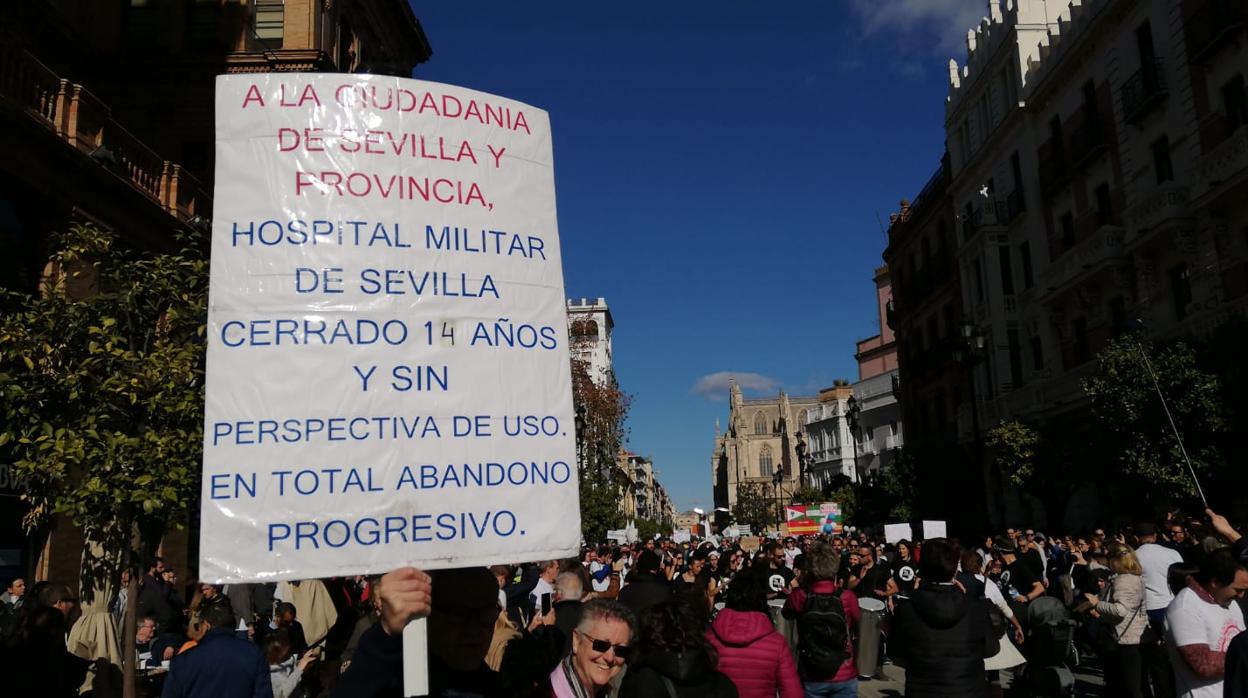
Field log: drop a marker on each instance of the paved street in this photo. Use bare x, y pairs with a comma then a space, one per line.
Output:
892, 683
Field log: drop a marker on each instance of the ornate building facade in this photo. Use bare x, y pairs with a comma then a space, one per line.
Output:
759, 445
1098, 172
590, 324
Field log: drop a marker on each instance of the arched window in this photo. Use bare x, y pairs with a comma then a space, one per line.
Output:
764, 462
760, 423
802, 418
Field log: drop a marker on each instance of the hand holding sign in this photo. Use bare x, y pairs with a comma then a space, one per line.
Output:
403, 594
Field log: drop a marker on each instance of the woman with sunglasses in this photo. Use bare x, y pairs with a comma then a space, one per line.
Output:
601, 643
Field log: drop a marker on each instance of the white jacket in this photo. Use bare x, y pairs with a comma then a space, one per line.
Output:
285, 678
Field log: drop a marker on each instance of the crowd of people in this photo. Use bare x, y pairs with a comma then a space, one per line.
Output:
1156, 607
224, 640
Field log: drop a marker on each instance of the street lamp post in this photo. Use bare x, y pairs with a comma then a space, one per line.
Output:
776, 480
803, 457
852, 413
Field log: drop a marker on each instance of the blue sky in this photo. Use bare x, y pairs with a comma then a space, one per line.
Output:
719, 167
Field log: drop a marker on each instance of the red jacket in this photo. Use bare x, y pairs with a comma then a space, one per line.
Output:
754, 655
796, 603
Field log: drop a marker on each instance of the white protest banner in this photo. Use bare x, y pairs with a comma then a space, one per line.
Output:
682, 535
388, 373
896, 532
933, 529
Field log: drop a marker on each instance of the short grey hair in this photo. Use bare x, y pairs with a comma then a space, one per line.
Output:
568, 585
606, 609
822, 561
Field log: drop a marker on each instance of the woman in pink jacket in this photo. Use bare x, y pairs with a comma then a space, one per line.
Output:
752, 654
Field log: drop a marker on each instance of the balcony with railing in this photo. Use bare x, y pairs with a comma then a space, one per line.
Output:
1211, 26
1089, 139
1224, 163
1098, 250
827, 454
1214, 129
1144, 90
991, 213
78, 118
1157, 209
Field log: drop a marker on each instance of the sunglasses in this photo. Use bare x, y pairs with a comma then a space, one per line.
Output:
601, 646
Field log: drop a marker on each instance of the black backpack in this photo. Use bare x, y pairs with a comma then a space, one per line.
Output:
822, 636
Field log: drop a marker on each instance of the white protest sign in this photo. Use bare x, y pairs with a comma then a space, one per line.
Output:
681, 536
896, 532
933, 529
388, 373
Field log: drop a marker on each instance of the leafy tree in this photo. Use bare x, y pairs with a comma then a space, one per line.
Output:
847, 497
809, 495
647, 529
101, 382
754, 508
899, 484
601, 410
1014, 444
1133, 421
600, 506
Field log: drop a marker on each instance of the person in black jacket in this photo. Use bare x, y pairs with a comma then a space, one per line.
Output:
567, 607
944, 634
519, 609
155, 598
35, 662
1235, 685
646, 587
675, 659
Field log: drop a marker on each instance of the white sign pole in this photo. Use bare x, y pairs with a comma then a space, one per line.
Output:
416, 658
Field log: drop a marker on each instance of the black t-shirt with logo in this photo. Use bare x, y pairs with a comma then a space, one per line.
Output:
1017, 579
905, 574
778, 579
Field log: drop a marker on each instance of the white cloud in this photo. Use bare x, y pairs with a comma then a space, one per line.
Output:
714, 386
929, 31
